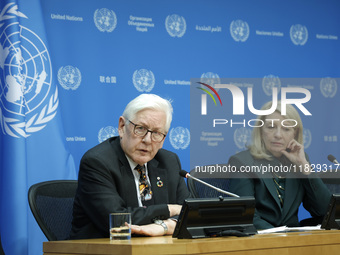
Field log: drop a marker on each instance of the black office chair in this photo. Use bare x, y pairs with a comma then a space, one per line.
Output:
1, 250
333, 184
51, 203
199, 190
331, 180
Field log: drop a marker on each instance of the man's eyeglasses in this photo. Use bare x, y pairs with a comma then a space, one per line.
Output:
142, 131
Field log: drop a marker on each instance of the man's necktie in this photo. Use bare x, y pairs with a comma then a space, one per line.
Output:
144, 186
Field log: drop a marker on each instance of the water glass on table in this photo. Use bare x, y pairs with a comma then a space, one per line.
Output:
120, 226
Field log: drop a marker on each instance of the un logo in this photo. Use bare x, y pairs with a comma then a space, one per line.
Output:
143, 80
106, 133
69, 77
239, 30
105, 20
242, 137
179, 138
269, 82
27, 102
307, 138
210, 79
175, 25
328, 87
298, 34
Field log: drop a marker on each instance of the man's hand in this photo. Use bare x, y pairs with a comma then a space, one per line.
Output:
174, 210
153, 229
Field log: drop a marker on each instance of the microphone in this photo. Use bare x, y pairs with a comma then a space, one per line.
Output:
332, 159
185, 174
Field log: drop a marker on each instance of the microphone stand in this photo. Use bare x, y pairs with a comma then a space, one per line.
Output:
211, 186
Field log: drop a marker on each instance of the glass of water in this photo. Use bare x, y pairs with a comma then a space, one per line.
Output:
120, 226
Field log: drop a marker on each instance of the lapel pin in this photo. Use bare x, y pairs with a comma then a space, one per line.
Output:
159, 182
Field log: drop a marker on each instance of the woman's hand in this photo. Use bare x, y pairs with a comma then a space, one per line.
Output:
296, 154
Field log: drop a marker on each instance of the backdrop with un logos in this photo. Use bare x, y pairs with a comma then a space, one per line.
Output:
69, 67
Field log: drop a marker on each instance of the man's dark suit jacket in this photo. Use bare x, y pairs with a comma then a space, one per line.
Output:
310, 190
106, 185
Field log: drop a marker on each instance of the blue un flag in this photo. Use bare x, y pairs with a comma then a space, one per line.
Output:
32, 145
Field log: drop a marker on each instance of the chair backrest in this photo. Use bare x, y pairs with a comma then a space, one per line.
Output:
333, 185
51, 203
1, 249
199, 190
331, 180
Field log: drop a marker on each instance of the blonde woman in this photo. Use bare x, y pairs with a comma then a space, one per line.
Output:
276, 171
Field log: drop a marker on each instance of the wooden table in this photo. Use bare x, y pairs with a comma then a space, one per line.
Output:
295, 243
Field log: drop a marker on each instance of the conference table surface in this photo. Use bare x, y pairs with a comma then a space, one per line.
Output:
297, 243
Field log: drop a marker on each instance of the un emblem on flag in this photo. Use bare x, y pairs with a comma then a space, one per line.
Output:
328, 87
143, 80
211, 79
307, 138
105, 20
269, 82
26, 100
242, 137
175, 25
239, 30
106, 133
69, 77
179, 138
298, 34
